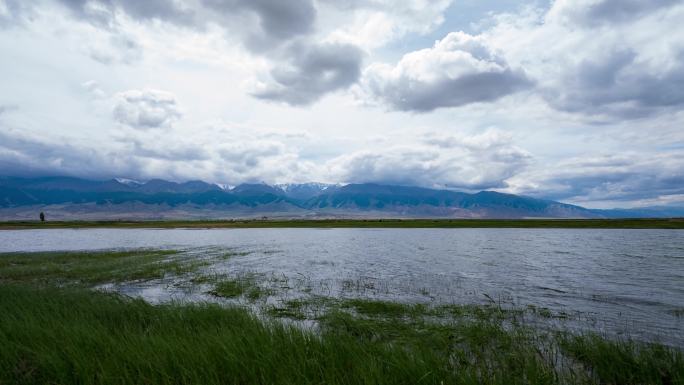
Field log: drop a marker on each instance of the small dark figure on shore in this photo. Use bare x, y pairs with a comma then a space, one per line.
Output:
42, 216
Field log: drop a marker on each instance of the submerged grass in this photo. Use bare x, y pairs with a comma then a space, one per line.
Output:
242, 285
383, 308
229, 289
89, 268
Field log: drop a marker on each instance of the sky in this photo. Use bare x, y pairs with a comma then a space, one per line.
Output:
580, 101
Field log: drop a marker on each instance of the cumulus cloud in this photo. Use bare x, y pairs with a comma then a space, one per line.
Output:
478, 162
311, 71
458, 70
146, 108
374, 23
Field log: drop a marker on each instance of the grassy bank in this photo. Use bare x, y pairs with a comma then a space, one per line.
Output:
54, 329
673, 223
72, 336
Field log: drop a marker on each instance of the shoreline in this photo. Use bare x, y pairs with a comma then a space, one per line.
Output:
664, 223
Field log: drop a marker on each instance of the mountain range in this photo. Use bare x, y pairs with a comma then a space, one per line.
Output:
75, 198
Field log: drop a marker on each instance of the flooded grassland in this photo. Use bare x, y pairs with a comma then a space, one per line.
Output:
342, 306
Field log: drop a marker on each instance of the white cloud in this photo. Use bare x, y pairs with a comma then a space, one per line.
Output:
483, 161
375, 23
458, 70
146, 108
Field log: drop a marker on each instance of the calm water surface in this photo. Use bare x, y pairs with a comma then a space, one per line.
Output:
618, 281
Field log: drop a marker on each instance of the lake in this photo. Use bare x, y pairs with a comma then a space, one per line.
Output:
621, 282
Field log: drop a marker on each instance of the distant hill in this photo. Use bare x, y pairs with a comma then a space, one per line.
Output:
417, 202
303, 191
75, 198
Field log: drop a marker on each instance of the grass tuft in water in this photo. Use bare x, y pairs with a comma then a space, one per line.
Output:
243, 285
383, 308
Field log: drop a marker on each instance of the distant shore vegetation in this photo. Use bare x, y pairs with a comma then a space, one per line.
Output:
650, 223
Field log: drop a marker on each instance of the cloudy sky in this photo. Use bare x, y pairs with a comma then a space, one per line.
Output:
575, 100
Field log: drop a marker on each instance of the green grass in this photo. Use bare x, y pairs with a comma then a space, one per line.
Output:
672, 223
90, 268
75, 336
648, 364
72, 336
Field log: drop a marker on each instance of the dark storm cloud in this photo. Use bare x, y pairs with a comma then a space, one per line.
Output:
458, 70
311, 71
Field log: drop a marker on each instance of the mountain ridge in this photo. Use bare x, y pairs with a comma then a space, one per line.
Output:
65, 196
